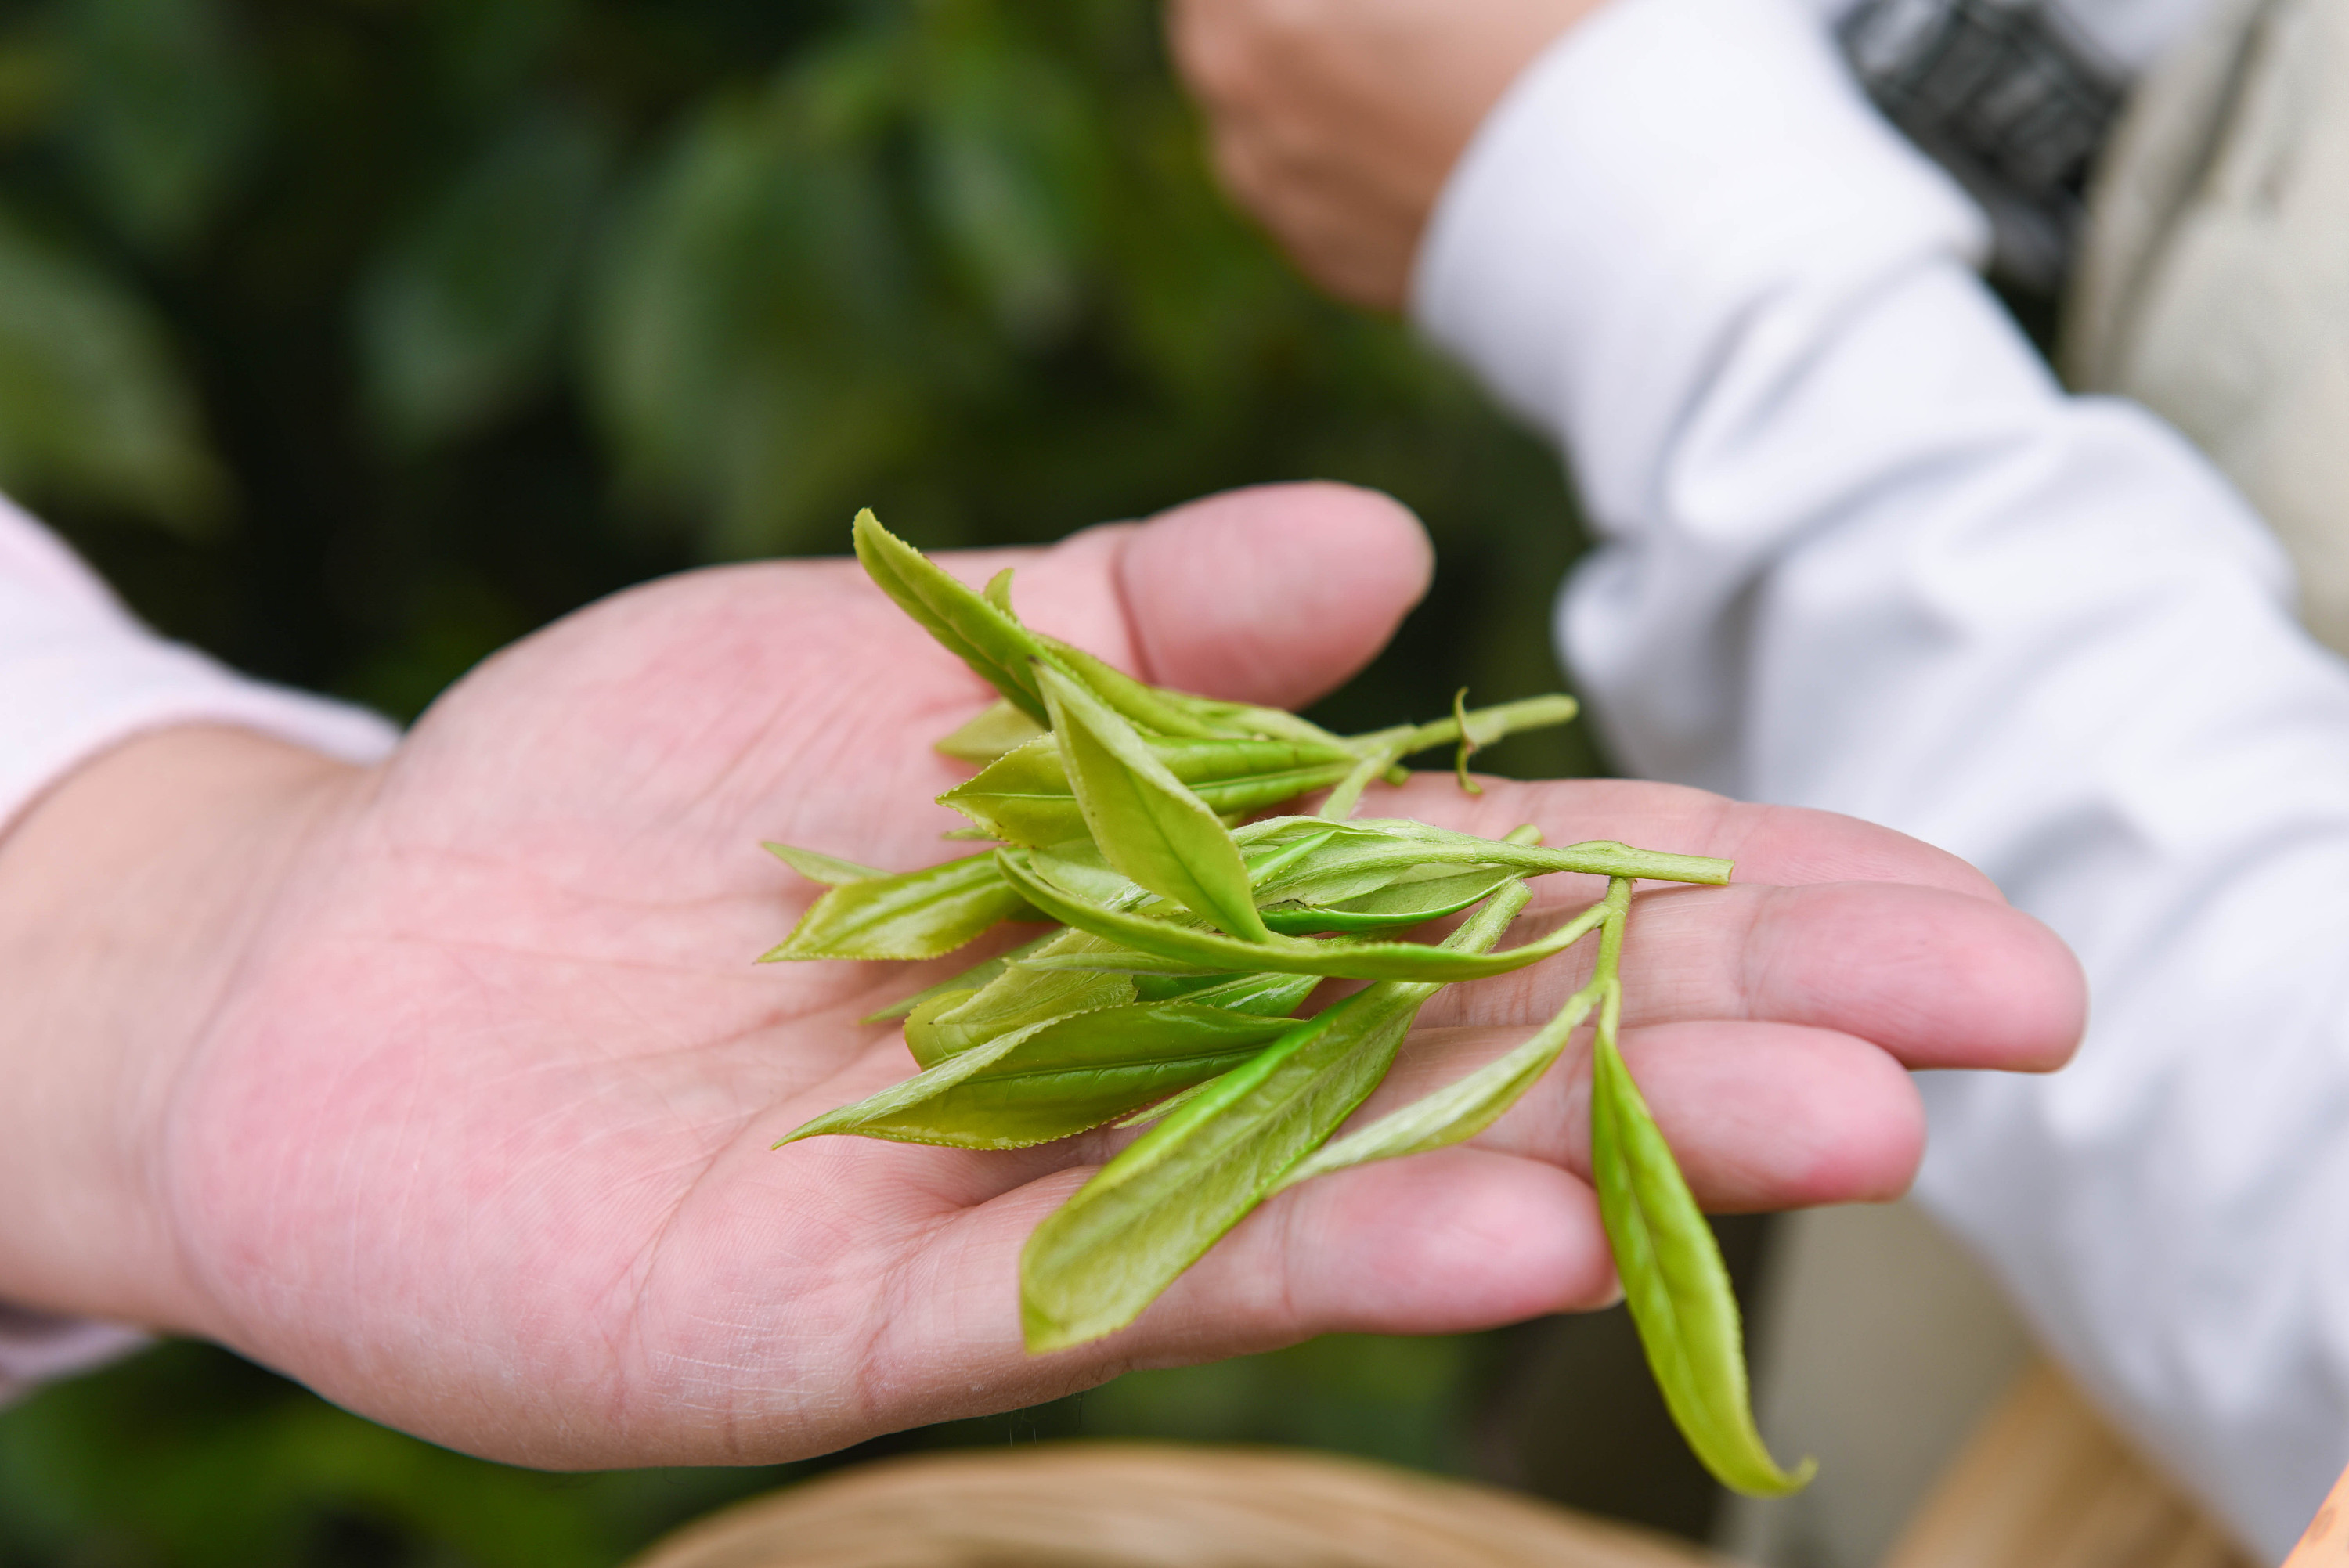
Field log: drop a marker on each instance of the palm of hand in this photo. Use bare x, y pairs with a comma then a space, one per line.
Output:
481, 1145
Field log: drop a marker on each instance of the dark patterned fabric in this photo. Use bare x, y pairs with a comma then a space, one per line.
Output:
2008, 99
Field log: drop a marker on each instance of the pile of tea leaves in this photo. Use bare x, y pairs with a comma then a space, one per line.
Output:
1188, 930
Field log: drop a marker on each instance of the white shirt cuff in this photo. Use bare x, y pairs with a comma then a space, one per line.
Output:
1689, 157
79, 674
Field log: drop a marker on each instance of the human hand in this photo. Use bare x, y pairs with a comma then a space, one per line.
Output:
1336, 122
448, 1085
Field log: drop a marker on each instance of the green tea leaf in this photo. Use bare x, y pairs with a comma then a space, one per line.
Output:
1246, 721
1146, 823
995, 729
1155, 1210
1001, 650
1138, 939
1348, 792
1137, 701
1268, 995
1165, 1107
1019, 996
1179, 715
1385, 845
1676, 1284
966, 984
1151, 1212
916, 915
819, 868
1057, 1077
1461, 1111
1401, 904
1023, 796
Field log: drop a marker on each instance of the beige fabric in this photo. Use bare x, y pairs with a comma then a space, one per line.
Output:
2213, 285
1151, 1505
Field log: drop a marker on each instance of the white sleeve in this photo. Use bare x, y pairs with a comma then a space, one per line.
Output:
1860, 552
78, 675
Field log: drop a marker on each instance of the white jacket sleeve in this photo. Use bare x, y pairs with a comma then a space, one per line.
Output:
78, 675
1859, 552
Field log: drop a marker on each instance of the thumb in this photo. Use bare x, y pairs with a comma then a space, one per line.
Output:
1273, 595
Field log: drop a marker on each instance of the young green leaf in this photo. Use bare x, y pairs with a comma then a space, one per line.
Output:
966, 984
1461, 1111
1165, 1107
1348, 794
916, 915
1001, 650
1268, 995
1146, 822
1138, 702
989, 733
1138, 939
1019, 996
1151, 1212
1675, 1282
824, 869
1177, 715
1382, 846
1057, 1077
1023, 796
1402, 904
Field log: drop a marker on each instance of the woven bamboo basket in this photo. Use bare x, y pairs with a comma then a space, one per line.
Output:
2043, 1484
1153, 1505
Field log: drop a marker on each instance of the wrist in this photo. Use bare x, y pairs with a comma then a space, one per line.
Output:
129, 895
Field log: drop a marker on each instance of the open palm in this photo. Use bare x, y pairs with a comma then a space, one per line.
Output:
478, 1143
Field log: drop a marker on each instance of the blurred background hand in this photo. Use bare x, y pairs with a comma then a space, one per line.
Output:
1335, 123
450, 1088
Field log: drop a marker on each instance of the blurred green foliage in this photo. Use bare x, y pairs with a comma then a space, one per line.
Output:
187, 1458
354, 338
415, 323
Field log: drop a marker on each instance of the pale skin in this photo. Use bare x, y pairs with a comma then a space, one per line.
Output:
448, 1085
1336, 122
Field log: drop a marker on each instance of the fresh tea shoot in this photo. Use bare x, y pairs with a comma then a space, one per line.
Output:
1189, 929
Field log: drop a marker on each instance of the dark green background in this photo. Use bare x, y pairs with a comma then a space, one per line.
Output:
353, 338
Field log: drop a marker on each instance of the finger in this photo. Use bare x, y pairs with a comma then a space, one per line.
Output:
1760, 1116
1502, 1230
1274, 595
1460, 1240
1936, 979
1452, 1241
1271, 594
1780, 844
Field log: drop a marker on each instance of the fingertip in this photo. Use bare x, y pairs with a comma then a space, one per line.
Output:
1778, 1117
2049, 996
1272, 594
1938, 979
